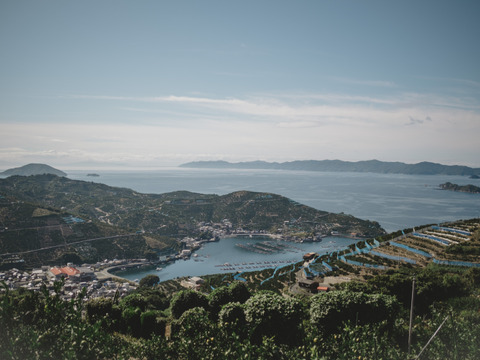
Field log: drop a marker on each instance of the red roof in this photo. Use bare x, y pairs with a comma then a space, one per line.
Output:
70, 271
67, 270
56, 271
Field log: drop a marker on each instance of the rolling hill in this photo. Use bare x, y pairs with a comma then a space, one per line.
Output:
33, 169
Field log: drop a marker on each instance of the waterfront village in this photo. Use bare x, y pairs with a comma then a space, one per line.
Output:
99, 279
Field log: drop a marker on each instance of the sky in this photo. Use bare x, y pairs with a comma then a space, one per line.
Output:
145, 84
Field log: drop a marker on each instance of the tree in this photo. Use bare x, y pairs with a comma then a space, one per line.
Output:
134, 300
329, 311
194, 322
240, 292
219, 297
152, 323
272, 315
185, 300
98, 308
131, 318
149, 280
151, 255
232, 318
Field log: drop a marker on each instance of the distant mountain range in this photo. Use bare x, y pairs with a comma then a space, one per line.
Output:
372, 166
33, 169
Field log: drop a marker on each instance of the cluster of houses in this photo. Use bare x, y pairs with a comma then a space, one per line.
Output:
75, 280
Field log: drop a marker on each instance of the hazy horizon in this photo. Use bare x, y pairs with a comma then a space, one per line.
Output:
154, 84
113, 167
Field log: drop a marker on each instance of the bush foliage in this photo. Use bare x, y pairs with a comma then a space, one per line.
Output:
360, 321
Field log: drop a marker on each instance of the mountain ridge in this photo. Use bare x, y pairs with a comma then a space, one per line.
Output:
372, 166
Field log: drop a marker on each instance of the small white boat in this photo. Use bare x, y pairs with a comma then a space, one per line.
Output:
159, 268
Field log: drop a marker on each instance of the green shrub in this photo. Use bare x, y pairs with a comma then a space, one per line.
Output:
271, 315
185, 300
131, 319
232, 318
98, 308
329, 311
219, 297
194, 324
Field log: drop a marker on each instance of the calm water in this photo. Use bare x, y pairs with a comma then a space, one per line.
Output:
395, 201
212, 258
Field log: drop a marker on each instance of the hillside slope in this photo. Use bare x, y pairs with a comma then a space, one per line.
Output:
33, 235
178, 214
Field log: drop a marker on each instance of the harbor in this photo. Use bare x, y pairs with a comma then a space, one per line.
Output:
224, 256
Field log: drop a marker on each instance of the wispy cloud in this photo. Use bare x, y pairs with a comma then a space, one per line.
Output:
300, 110
281, 126
299, 124
414, 121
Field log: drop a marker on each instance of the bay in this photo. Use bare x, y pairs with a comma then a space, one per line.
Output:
225, 256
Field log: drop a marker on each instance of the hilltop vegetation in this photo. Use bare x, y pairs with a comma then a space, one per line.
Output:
27, 227
161, 218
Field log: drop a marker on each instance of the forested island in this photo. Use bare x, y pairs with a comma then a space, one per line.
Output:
373, 166
461, 188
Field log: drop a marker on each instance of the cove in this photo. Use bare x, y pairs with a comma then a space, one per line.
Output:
228, 255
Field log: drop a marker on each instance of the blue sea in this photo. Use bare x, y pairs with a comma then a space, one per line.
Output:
396, 201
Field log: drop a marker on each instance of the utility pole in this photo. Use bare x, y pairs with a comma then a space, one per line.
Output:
411, 316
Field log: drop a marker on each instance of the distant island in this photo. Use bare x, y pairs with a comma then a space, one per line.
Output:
372, 166
33, 169
461, 188
93, 174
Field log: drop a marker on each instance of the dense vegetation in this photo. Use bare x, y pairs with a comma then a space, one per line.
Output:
366, 320
26, 227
